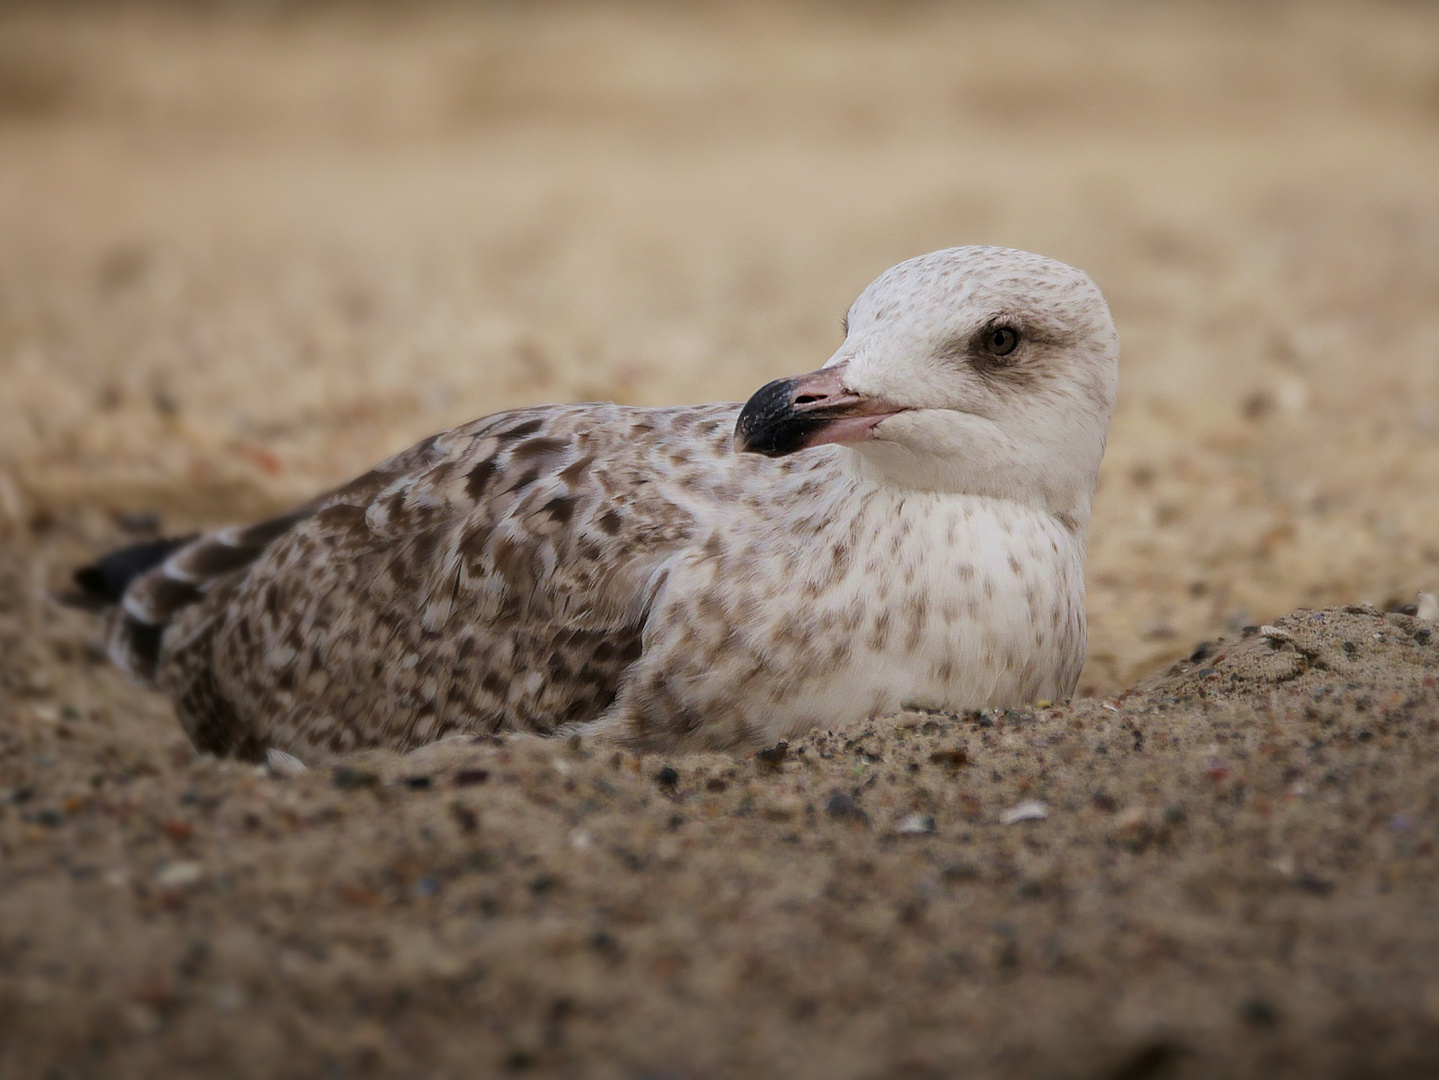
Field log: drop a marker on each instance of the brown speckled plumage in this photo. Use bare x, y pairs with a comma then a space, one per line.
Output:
493, 577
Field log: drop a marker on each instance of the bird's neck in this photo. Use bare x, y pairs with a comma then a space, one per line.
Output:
906, 479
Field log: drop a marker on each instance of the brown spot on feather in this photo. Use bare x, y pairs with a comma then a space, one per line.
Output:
479, 478
539, 449
572, 472
560, 509
519, 431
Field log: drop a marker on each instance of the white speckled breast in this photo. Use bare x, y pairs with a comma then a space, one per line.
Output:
893, 598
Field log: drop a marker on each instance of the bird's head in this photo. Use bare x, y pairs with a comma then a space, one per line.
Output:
974, 370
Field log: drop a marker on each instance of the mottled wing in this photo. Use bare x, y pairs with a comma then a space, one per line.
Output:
496, 576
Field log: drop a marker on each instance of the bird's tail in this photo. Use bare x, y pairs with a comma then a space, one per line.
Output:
102, 585
142, 588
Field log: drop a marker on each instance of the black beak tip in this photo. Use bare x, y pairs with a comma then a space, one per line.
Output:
768, 424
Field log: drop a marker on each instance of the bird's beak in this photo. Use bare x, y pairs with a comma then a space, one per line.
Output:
807, 410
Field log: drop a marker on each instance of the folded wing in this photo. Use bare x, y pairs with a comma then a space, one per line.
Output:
496, 576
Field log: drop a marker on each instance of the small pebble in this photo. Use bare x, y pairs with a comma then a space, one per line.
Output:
1258, 1012
950, 759
842, 807
772, 760
464, 817
177, 875
227, 998
914, 825
178, 831
1315, 886
1033, 810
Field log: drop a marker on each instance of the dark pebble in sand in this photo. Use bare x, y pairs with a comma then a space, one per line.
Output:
464, 817
469, 777
842, 807
178, 831
950, 759
603, 942
772, 760
1151, 1060
667, 777
1258, 1012
418, 783
520, 1061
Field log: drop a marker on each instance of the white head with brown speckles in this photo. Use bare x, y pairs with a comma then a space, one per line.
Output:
974, 370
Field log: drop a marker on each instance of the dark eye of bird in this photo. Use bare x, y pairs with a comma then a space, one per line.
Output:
1001, 340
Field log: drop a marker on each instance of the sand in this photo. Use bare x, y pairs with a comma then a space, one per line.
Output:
249, 252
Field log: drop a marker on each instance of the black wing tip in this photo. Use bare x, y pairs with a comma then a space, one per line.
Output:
103, 583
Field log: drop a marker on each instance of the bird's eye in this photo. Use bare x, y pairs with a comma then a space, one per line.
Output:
1001, 340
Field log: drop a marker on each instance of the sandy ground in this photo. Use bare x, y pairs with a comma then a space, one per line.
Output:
247, 254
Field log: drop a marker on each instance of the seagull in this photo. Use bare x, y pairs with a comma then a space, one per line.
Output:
902, 528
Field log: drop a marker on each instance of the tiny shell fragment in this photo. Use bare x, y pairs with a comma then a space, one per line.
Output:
1025, 811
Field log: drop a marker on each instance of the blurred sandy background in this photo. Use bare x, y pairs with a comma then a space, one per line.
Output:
252, 249
247, 250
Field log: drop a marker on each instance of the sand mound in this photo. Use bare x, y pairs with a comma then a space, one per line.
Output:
1228, 870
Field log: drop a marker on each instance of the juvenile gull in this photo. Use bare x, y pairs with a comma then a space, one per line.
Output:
903, 527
